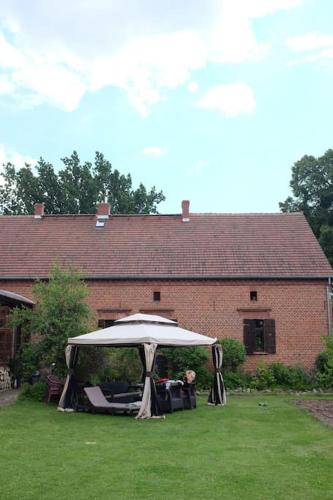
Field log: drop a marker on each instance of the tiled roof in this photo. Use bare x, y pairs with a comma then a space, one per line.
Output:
134, 246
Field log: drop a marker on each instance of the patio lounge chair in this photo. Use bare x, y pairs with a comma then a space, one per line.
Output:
99, 402
121, 392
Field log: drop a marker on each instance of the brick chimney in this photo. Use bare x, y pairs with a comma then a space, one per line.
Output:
38, 210
185, 211
103, 210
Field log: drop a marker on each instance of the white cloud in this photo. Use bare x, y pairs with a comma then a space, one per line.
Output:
313, 47
8, 155
233, 39
232, 99
310, 41
11, 24
147, 66
260, 8
69, 50
192, 87
153, 151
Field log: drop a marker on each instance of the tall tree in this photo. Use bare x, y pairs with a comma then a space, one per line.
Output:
76, 188
312, 187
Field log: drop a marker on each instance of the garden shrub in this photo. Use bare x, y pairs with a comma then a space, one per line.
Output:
61, 311
264, 378
324, 365
233, 353
324, 380
281, 375
293, 377
124, 363
235, 379
26, 362
92, 362
298, 379
97, 365
181, 359
35, 392
322, 362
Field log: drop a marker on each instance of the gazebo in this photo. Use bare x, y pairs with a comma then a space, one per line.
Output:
146, 332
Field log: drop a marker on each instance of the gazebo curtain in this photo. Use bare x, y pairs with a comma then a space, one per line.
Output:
68, 397
149, 404
217, 394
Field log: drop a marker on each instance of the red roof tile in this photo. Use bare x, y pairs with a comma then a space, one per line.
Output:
210, 245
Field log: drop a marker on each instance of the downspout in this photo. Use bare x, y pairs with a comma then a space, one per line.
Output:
13, 346
329, 306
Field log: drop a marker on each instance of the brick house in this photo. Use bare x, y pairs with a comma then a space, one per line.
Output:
259, 278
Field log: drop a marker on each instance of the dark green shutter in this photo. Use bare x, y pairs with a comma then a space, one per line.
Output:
269, 333
249, 335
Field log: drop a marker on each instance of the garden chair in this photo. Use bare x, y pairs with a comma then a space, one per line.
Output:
54, 387
189, 396
169, 396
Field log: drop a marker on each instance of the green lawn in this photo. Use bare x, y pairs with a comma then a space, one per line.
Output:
242, 451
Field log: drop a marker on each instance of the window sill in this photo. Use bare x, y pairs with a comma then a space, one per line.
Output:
257, 309
260, 353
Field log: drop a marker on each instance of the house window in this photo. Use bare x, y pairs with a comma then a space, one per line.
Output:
157, 296
259, 336
253, 296
105, 323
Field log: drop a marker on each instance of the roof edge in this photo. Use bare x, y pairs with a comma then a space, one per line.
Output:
176, 214
176, 277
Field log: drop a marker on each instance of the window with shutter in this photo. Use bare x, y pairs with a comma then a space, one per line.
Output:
259, 336
249, 335
269, 341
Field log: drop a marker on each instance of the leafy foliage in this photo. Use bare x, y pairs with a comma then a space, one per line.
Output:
181, 359
35, 392
324, 365
280, 375
74, 189
235, 379
312, 187
233, 353
61, 312
97, 365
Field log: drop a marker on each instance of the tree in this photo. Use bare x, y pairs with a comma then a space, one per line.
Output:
74, 189
312, 186
61, 312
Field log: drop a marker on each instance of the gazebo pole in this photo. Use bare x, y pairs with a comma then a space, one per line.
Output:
149, 404
217, 395
66, 402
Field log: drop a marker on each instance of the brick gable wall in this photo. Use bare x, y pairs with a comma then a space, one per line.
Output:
218, 308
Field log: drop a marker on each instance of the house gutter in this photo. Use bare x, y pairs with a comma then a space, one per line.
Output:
329, 306
171, 277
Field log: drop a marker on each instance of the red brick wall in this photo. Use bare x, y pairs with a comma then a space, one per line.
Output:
217, 309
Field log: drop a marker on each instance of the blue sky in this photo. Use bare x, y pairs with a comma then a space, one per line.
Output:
209, 100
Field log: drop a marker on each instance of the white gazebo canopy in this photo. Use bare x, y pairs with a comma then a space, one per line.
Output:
139, 329
146, 332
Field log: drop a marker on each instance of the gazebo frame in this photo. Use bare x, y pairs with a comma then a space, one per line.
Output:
147, 337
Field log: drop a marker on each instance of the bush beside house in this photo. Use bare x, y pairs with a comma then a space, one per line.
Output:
276, 375
61, 312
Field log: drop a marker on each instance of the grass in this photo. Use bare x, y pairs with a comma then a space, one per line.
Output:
242, 450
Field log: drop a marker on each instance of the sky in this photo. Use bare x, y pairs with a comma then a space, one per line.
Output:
208, 100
